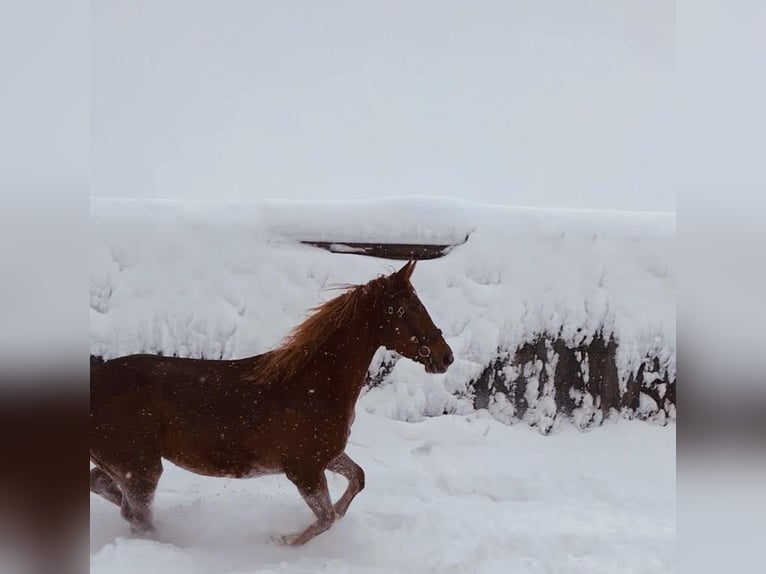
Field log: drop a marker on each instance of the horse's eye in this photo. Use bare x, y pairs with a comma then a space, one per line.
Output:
414, 339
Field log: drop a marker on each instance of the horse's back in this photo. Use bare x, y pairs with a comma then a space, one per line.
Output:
146, 392
121, 377
123, 404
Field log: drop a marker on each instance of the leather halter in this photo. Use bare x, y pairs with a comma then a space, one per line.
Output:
424, 350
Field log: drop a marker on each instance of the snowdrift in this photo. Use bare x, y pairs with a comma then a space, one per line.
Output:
552, 314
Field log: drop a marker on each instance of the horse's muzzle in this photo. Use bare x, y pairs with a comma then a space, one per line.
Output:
435, 366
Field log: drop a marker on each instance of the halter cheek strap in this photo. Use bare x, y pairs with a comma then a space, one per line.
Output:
399, 312
423, 349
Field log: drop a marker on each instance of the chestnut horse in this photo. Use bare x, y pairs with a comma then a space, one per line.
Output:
288, 411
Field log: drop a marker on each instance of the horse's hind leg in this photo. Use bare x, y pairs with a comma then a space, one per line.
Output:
138, 487
313, 489
346, 467
102, 484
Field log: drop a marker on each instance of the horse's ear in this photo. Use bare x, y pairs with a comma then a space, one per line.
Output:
405, 272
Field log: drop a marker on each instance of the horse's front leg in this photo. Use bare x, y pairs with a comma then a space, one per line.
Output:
346, 467
313, 489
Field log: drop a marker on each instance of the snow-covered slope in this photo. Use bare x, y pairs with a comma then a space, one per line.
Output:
230, 279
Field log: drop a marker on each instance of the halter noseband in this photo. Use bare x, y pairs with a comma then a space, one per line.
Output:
423, 349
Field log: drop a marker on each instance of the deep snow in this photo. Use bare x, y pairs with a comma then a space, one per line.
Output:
451, 494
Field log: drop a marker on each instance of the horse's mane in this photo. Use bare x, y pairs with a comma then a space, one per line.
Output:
304, 341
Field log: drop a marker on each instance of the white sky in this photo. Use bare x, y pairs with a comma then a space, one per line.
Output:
540, 102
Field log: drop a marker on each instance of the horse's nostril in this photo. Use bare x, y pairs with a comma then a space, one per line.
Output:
448, 359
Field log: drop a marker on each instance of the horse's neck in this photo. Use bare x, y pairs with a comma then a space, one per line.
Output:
348, 353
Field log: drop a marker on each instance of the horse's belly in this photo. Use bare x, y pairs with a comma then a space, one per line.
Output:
218, 458
221, 466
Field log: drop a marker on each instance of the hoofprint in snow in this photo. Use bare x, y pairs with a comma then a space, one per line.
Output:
451, 494
218, 279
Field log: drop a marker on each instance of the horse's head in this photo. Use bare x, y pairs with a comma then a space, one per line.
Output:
407, 326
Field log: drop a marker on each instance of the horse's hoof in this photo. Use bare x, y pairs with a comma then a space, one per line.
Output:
143, 532
288, 540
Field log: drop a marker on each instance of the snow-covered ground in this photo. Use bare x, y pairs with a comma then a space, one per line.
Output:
456, 493
230, 279
451, 494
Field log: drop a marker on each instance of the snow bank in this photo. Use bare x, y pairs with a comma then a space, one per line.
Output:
229, 279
